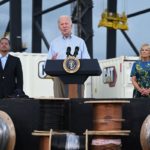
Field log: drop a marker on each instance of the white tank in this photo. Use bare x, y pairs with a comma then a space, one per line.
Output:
115, 80
36, 83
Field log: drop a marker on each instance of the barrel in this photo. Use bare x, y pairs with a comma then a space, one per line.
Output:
7, 132
4, 134
107, 116
145, 134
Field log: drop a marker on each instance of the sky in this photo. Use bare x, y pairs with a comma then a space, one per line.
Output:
138, 26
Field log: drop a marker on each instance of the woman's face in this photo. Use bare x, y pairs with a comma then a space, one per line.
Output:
145, 52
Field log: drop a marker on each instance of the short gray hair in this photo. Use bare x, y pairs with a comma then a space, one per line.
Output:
64, 16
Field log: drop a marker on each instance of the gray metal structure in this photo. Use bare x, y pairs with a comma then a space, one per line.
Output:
111, 33
81, 15
14, 26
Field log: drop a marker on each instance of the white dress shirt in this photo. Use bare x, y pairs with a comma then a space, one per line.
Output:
60, 45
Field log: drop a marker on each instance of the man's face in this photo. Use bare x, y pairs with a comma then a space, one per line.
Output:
65, 26
4, 46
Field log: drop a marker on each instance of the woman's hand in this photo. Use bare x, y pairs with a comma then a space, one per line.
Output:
145, 92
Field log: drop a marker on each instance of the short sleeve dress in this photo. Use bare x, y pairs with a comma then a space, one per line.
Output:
141, 69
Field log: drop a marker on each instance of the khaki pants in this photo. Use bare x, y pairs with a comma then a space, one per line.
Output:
61, 89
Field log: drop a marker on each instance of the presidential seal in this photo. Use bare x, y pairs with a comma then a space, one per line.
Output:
71, 64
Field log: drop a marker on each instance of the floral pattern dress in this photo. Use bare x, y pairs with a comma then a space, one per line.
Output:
141, 70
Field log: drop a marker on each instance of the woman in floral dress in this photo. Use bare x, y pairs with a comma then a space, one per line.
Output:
140, 73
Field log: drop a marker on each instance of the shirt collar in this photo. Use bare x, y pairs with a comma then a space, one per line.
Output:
69, 37
6, 56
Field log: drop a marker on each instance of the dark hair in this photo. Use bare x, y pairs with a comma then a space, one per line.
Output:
4, 38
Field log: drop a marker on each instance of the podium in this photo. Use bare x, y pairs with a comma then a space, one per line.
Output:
88, 67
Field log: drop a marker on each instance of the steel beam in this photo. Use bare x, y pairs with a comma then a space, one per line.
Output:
38, 13
82, 16
130, 42
4, 1
111, 33
36, 38
42, 35
15, 25
138, 13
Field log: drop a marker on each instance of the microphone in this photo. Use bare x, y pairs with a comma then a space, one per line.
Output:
68, 51
76, 51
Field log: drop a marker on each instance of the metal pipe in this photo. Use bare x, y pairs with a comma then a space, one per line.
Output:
42, 35
53, 8
138, 13
130, 42
4, 1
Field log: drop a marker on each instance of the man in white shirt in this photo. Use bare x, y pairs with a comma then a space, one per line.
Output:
58, 49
